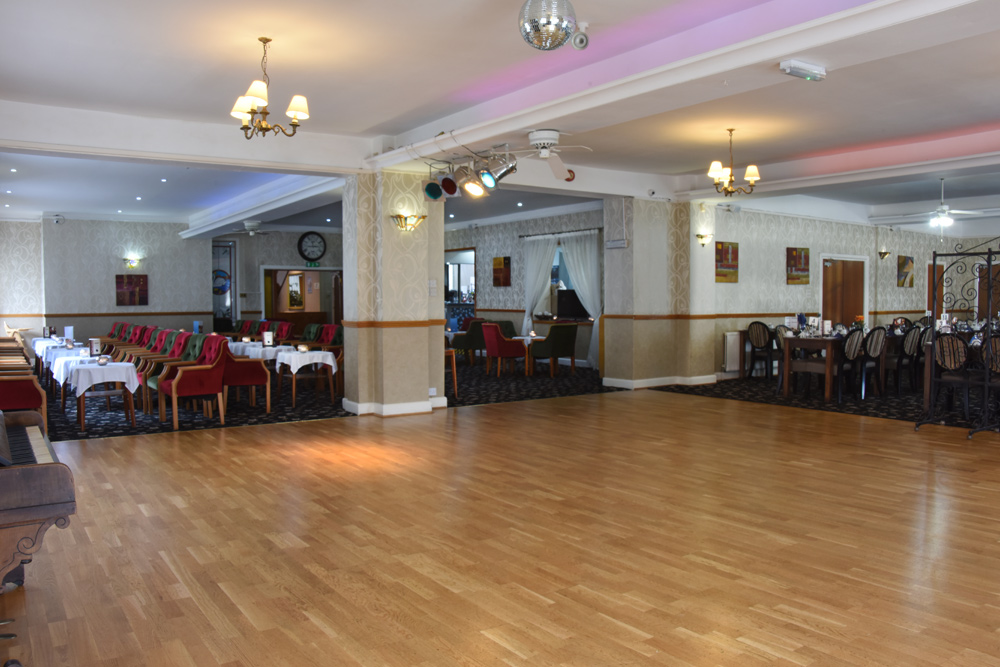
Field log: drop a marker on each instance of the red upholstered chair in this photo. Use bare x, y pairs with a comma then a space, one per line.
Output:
245, 329
22, 392
202, 378
243, 372
283, 332
500, 348
152, 365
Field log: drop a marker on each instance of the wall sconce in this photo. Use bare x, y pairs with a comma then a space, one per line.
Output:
882, 254
408, 223
131, 262
704, 239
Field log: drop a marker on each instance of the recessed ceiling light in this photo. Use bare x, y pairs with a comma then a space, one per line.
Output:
328, 219
9, 192
6, 205
119, 210
138, 198
13, 171
451, 215
163, 180
520, 204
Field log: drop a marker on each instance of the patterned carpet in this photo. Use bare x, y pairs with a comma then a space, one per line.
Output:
908, 406
474, 388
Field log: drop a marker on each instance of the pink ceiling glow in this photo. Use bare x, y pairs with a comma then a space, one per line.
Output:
676, 32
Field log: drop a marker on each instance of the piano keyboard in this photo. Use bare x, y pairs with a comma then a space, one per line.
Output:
28, 446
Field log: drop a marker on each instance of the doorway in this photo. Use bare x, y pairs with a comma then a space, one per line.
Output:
843, 286
935, 303
303, 296
459, 286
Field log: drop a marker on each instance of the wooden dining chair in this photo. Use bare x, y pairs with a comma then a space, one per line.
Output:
760, 347
904, 358
951, 355
871, 361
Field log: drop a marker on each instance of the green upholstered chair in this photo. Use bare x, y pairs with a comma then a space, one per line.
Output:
561, 342
151, 378
471, 341
507, 328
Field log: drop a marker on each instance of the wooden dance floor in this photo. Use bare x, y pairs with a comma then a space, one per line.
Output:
642, 528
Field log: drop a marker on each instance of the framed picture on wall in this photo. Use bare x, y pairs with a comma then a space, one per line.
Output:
501, 271
131, 289
296, 300
727, 262
904, 271
797, 266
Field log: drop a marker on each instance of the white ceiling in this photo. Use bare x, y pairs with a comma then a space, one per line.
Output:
102, 100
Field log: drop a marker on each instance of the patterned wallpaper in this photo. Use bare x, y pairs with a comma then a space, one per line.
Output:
403, 265
619, 296
21, 259
81, 259
274, 249
763, 238
501, 240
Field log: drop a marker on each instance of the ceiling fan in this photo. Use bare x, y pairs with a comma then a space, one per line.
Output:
941, 217
544, 144
252, 227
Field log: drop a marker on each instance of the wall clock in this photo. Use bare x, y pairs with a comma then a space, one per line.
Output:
312, 246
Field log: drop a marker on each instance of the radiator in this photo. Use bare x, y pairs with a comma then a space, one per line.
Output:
731, 351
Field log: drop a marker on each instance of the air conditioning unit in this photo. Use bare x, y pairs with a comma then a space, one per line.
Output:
731, 352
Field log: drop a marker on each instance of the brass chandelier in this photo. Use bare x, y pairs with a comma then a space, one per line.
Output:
724, 178
251, 108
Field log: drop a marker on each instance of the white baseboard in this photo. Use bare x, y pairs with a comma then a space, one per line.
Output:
727, 375
646, 383
393, 409
439, 402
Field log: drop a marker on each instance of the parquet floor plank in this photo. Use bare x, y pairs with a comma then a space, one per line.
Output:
644, 528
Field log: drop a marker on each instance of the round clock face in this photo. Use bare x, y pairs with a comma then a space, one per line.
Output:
312, 246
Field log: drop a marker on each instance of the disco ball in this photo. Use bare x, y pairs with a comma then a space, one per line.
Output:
547, 24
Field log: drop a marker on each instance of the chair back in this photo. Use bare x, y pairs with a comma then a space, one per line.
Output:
951, 352
471, 339
924, 321
563, 338
168, 341
507, 328
115, 328
874, 342
759, 335
780, 332
283, 332
257, 327
911, 341
327, 333
491, 337
177, 348
853, 344
311, 332
146, 335
273, 326
192, 351
212, 349
466, 322
902, 322
245, 327
159, 340
995, 353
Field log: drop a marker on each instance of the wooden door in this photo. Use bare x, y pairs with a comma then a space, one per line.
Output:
936, 304
843, 290
984, 291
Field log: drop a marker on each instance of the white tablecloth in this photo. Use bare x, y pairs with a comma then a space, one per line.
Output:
39, 344
528, 340
268, 353
239, 349
85, 376
63, 366
296, 360
53, 352
451, 334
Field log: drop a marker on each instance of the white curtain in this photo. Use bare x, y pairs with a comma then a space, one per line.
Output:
539, 253
581, 255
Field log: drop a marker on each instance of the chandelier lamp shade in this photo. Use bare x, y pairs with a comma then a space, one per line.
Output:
547, 24
723, 176
251, 109
408, 223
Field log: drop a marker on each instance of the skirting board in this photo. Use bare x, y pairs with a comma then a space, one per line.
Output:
391, 410
645, 383
439, 402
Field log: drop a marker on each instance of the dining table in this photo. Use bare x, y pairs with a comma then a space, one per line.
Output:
295, 361
84, 376
830, 346
267, 353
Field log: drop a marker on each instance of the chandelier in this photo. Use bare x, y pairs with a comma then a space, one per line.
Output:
251, 108
547, 24
723, 176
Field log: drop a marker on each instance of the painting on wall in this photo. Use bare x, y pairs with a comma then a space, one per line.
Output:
797, 266
727, 262
132, 289
296, 301
904, 272
501, 271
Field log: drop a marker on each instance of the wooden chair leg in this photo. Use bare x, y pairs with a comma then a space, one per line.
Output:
177, 423
329, 379
222, 409
552, 367
293, 390
267, 393
163, 405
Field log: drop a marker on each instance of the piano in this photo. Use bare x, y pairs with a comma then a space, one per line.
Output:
36, 491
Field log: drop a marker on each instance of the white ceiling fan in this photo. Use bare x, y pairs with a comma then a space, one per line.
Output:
941, 217
544, 144
252, 227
